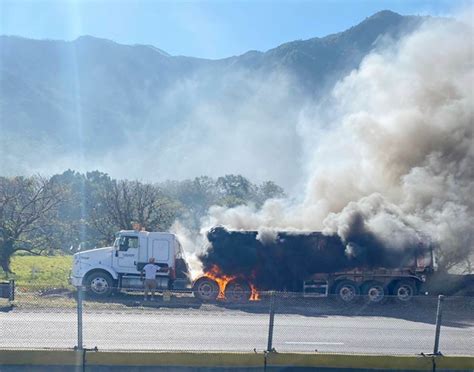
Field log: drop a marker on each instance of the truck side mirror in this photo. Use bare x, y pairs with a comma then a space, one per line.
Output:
116, 253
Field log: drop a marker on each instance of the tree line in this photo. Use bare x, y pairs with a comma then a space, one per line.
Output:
72, 211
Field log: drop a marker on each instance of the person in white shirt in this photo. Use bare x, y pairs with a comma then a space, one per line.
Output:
150, 270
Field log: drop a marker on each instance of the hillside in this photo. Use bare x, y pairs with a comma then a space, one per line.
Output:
96, 103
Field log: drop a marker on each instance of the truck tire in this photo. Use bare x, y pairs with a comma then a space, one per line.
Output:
99, 284
206, 289
347, 291
374, 292
237, 291
404, 291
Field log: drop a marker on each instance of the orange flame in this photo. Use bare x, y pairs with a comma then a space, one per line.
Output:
216, 274
221, 279
255, 296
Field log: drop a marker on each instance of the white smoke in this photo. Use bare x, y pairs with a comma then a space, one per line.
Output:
394, 145
267, 236
192, 244
211, 121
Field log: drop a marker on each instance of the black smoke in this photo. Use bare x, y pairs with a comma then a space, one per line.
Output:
283, 263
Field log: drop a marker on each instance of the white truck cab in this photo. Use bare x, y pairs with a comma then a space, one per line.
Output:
104, 270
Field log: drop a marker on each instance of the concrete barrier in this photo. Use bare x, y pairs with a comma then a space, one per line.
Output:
47, 360
181, 359
372, 362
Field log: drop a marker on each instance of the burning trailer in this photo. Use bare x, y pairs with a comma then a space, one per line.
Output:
240, 264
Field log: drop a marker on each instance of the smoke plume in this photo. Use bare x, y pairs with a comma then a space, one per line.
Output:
389, 153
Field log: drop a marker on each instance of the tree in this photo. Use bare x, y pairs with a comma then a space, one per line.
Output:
74, 228
269, 190
124, 205
235, 190
199, 194
196, 197
28, 208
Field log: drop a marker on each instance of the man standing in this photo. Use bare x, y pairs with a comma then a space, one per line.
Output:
150, 270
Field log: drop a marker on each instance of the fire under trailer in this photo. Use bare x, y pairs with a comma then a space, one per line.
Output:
239, 263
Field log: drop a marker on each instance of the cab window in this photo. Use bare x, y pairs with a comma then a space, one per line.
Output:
126, 242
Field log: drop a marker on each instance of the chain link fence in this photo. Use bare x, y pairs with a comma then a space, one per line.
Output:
282, 322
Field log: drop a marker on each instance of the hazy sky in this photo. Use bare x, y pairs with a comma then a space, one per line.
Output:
209, 29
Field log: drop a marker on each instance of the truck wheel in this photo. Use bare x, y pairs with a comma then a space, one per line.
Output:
99, 284
374, 292
206, 289
237, 291
347, 291
404, 290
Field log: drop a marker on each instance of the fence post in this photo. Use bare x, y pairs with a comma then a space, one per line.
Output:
11, 296
439, 314
80, 295
270, 326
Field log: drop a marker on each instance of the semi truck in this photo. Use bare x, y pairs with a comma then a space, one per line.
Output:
240, 264
103, 271
311, 263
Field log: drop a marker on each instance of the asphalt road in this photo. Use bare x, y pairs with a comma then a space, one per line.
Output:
385, 331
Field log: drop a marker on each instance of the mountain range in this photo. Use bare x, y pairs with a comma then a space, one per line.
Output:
137, 111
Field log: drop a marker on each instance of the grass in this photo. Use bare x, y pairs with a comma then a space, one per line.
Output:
41, 271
